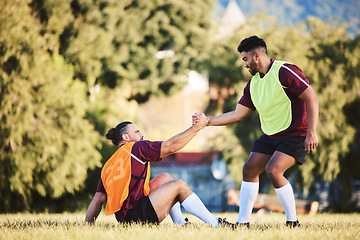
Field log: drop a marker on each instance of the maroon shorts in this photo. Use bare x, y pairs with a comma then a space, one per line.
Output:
143, 212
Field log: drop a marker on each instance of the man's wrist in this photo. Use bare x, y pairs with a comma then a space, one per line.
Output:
311, 132
208, 123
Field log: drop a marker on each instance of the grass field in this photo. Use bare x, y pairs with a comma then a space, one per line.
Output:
266, 226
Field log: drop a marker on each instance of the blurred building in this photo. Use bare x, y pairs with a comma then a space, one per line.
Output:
231, 19
204, 172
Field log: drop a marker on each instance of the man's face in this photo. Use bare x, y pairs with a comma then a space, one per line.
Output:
249, 62
134, 133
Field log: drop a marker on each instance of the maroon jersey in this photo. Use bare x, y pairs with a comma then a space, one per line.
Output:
144, 151
294, 83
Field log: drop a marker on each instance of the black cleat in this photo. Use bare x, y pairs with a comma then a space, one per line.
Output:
225, 224
187, 223
242, 225
292, 224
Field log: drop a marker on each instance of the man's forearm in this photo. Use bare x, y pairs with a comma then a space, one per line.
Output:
230, 117
223, 119
312, 111
92, 213
179, 141
95, 207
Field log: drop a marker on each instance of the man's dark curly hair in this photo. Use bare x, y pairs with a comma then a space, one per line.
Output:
251, 43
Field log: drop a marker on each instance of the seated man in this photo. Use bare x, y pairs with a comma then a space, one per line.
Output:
125, 184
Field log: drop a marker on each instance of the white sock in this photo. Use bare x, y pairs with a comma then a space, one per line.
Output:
287, 200
248, 193
176, 215
195, 206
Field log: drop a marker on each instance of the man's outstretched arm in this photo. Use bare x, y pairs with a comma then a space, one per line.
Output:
226, 118
180, 140
230, 117
95, 207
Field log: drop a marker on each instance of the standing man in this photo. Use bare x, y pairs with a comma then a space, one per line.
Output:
288, 110
125, 184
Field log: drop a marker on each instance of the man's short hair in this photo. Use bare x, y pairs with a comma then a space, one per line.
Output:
251, 43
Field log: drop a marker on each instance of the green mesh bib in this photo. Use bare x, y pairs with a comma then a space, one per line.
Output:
271, 101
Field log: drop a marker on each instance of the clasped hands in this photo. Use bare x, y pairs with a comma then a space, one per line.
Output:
200, 119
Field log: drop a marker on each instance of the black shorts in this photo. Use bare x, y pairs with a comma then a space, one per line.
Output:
143, 212
292, 145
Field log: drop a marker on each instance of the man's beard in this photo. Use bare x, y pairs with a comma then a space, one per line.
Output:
252, 68
253, 72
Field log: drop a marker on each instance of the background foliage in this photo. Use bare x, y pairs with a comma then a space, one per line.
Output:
55, 55
46, 143
72, 69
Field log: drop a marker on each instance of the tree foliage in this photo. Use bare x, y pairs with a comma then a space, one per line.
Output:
46, 144
118, 42
333, 70
54, 58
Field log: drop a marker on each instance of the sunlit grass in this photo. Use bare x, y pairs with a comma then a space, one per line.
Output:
267, 226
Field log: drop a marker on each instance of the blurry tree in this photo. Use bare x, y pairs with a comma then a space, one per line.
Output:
129, 49
327, 73
46, 145
147, 44
334, 69
69, 66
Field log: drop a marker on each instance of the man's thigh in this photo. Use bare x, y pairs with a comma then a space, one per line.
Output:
280, 162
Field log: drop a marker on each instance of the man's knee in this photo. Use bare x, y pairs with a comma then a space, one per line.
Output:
165, 177
181, 184
272, 171
248, 170
159, 180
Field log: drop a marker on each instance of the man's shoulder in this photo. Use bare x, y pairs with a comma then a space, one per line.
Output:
290, 70
287, 67
147, 144
147, 150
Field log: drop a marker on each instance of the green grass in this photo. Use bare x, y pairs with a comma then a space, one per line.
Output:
266, 226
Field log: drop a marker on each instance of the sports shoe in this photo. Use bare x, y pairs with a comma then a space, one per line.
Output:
292, 224
223, 223
187, 222
242, 225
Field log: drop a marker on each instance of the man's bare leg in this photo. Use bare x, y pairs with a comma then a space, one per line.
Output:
275, 169
277, 166
165, 196
253, 167
175, 212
